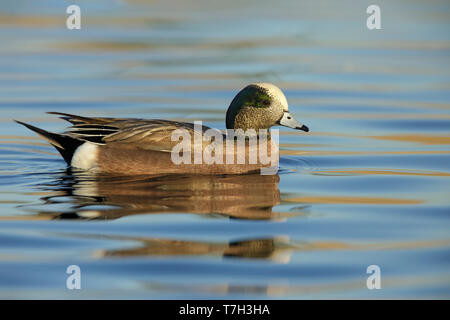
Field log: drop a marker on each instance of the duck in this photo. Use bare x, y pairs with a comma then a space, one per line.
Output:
132, 146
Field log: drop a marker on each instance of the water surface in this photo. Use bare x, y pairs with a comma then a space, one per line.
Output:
368, 185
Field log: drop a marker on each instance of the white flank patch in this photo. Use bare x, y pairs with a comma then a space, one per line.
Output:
85, 188
89, 214
85, 157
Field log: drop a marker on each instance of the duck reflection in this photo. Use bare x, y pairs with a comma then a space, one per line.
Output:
250, 196
277, 249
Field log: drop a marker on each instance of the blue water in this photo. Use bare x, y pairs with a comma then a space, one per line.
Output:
368, 185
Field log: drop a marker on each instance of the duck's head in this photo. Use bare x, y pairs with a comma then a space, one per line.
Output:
260, 106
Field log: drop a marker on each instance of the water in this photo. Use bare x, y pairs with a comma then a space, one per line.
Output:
368, 185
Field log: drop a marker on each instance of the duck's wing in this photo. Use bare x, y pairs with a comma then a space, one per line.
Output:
130, 133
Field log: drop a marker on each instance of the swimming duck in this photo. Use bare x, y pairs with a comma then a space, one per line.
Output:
136, 146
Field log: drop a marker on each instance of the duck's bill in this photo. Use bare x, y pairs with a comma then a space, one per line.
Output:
288, 121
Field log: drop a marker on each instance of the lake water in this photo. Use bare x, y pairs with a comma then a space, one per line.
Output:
368, 185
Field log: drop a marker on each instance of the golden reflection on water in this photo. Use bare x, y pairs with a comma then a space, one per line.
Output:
56, 21
352, 200
396, 172
346, 153
277, 249
417, 138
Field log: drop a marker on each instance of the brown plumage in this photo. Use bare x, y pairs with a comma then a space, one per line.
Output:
136, 146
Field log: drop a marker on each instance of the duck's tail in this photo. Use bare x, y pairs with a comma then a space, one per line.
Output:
65, 145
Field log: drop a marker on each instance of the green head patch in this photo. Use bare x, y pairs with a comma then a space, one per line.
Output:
251, 96
254, 97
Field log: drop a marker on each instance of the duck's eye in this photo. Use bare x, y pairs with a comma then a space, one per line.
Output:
289, 118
